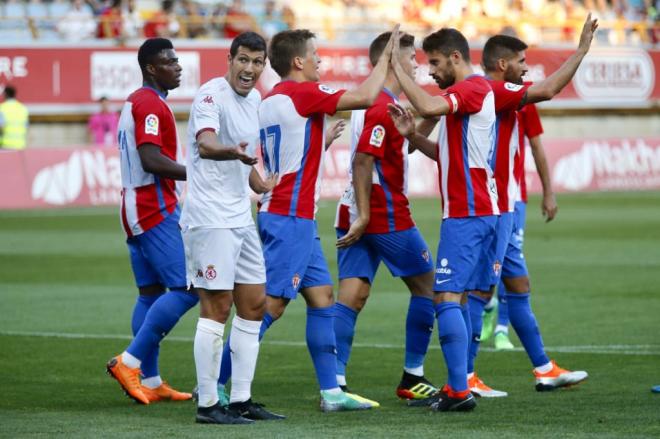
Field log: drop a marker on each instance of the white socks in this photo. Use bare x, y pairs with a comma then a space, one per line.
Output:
417, 371
152, 382
130, 360
547, 367
502, 328
341, 380
244, 345
208, 353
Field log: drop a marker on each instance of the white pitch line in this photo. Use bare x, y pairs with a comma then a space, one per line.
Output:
617, 349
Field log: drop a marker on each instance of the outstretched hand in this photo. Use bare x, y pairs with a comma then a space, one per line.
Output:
392, 45
588, 31
334, 131
240, 154
403, 119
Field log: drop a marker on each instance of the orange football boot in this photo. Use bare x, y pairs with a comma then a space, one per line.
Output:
165, 393
128, 378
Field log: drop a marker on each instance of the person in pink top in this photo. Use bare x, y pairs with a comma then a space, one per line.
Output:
102, 126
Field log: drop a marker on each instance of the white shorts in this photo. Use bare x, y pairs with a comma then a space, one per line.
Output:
216, 259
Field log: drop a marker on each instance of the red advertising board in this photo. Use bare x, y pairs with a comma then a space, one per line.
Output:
69, 80
39, 178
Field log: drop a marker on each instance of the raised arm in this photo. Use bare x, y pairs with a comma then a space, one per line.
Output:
553, 84
210, 148
367, 92
156, 163
404, 121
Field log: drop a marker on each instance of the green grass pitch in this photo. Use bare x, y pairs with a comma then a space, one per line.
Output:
66, 295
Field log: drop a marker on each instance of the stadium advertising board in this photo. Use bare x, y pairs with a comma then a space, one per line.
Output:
70, 80
91, 176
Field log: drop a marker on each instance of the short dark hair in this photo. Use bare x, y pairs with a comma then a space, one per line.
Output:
378, 45
10, 92
150, 48
250, 40
500, 47
286, 45
445, 41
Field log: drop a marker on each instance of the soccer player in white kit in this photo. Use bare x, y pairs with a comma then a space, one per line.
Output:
224, 260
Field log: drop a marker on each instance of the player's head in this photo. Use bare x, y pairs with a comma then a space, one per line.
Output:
10, 92
505, 55
406, 54
446, 49
247, 59
295, 51
159, 63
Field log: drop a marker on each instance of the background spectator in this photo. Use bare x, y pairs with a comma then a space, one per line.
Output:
102, 126
238, 20
13, 121
78, 23
110, 21
271, 21
163, 23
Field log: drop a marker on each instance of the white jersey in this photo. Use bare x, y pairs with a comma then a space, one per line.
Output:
218, 191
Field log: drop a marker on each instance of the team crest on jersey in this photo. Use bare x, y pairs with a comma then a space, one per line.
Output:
425, 255
512, 87
208, 99
151, 124
325, 89
210, 273
295, 281
497, 268
377, 136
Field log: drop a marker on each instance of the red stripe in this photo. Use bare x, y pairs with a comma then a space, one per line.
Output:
343, 217
203, 130
456, 184
482, 202
280, 200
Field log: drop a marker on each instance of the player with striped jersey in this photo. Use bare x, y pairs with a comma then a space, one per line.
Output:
469, 196
149, 157
292, 119
374, 224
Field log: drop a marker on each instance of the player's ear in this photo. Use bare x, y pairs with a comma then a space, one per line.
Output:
297, 63
229, 58
502, 64
150, 69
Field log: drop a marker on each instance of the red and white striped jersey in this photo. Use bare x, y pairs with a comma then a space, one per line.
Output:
146, 198
465, 143
530, 126
508, 97
292, 131
374, 133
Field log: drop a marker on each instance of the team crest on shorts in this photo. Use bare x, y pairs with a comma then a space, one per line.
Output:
497, 267
210, 273
425, 255
295, 281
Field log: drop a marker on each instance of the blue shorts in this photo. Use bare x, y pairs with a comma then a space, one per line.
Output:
293, 255
502, 235
514, 259
157, 255
465, 252
405, 254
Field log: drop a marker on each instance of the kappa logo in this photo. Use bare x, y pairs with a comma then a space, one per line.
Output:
210, 273
512, 87
377, 136
425, 255
443, 267
325, 89
497, 268
208, 99
200, 273
295, 281
151, 124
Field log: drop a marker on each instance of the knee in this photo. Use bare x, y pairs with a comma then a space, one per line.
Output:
254, 310
518, 285
275, 307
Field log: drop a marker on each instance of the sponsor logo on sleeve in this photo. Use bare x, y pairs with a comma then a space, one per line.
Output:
325, 89
208, 99
151, 124
377, 136
513, 87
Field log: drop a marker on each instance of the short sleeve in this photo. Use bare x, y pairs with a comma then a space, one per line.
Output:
508, 96
375, 133
205, 113
149, 120
313, 98
531, 121
466, 97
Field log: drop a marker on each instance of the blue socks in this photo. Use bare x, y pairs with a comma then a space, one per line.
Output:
454, 342
225, 364
322, 346
476, 309
419, 326
503, 308
524, 322
163, 314
142, 305
344, 323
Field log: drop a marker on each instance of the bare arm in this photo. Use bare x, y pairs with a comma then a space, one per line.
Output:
367, 92
424, 128
156, 163
553, 84
259, 185
363, 166
404, 122
210, 148
334, 132
549, 203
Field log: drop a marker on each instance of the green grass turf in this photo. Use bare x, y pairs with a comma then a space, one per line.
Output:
595, 276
